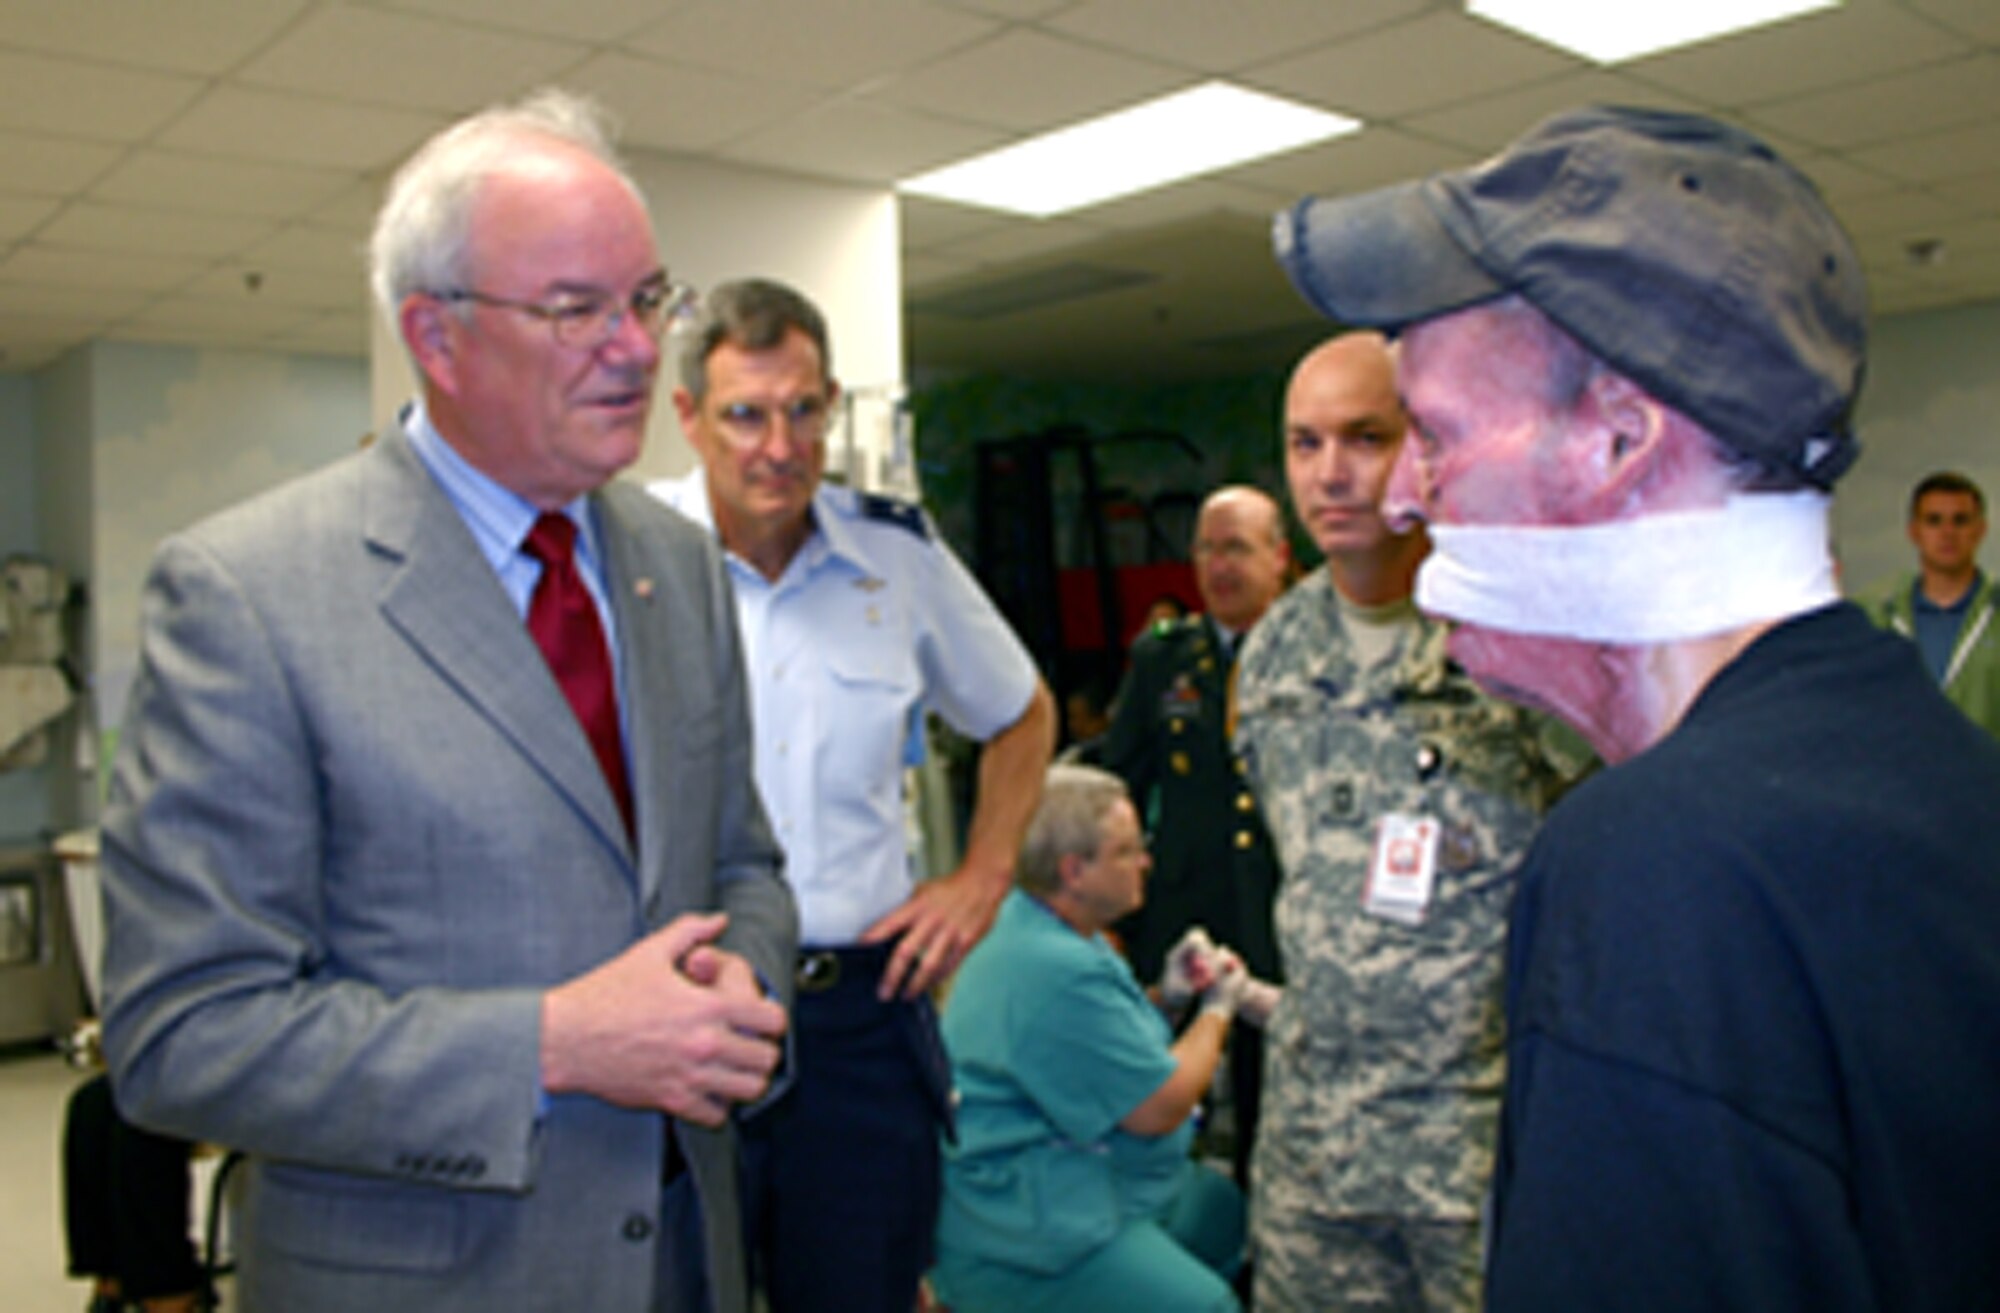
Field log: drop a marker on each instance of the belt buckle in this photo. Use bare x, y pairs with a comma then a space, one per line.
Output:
818, 971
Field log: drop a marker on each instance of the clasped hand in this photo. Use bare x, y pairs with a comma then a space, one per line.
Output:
673, 1023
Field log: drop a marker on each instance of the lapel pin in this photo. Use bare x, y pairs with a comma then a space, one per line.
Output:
642, 589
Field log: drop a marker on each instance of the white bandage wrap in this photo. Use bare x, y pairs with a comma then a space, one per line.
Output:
1656, 579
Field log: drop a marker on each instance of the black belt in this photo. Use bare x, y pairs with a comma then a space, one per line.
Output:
823, 969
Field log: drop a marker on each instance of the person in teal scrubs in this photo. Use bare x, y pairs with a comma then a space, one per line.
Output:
1070, 1184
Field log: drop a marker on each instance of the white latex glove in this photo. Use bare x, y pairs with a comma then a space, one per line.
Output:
1184, 962
1229, 979
1258, 1001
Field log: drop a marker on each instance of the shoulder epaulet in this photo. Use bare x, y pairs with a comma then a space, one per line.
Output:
1173, 626
894, 510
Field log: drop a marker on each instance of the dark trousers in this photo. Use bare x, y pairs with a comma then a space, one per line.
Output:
1246, 1091
841, 1176
125, 1200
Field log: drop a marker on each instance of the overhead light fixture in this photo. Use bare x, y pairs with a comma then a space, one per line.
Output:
1609, 32
1191, 132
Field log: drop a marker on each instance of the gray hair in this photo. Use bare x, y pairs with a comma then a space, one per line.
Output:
755, 314
1068, 823
424, 227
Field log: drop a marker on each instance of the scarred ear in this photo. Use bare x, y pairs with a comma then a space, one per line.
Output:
1625, 436
429, 332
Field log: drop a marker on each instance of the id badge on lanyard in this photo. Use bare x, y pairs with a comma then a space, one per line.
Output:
1402, 871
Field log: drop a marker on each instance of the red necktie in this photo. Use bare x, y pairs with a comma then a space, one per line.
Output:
563, 620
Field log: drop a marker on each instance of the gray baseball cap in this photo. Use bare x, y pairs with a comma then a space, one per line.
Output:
1681, 250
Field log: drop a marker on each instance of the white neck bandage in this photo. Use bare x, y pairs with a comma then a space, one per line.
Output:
1655, 579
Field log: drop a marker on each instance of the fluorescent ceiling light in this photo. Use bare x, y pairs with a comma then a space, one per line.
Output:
1609, 31
1196, 131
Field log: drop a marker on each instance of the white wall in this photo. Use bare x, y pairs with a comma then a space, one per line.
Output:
62, 410
24, 793
180, 432
1931, 402
837, 244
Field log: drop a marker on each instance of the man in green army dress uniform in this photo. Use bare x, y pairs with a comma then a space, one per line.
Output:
1169, 740
1400, 799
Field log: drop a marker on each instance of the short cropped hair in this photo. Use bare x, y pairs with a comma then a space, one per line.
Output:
1947, 481
754, 314
424, 227
1068, 823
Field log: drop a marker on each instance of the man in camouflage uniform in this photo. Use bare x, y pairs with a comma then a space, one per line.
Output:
1400, 799
1213, 865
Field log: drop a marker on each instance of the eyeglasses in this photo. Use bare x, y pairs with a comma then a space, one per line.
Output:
587, 320
746, 425
1228, 549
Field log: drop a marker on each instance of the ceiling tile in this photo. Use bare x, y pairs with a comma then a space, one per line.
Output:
927, 222
857, 141
242, 316
668, 107
51, 164
1938, 247
1016, 241
1023, 10
1977, 20
326, 250
1371, 158
1427, 63
56, 267
63, 305
324, 336
1836, 175
1922, 100
19, 215
1192, 34
132, 231
187, 36
1979, 192
1938, 156
1197, 199
1904, 210
819, 44
43, 94
1826, 49
263, 125
573, 20
204, 184
1490, 122
923, 269
286, 285
102, 115
402, 59
1069, 81
352, 210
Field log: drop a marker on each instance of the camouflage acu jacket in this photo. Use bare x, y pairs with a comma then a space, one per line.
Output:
1385, 1057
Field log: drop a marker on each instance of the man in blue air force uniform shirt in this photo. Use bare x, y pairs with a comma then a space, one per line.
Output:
855, 619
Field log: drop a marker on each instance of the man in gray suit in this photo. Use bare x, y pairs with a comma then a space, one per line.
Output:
378, 913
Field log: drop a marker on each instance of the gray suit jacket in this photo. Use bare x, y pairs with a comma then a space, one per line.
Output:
354, 832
